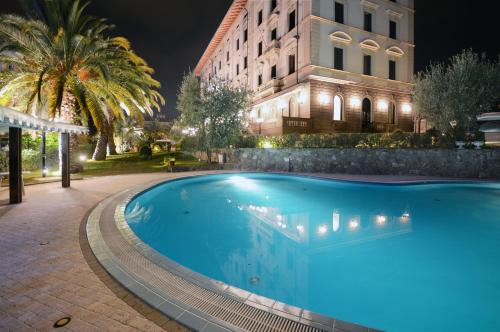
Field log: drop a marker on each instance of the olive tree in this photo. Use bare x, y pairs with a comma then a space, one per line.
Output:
215, 111
453, 94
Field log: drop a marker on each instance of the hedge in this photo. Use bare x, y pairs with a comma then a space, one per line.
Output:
396, 139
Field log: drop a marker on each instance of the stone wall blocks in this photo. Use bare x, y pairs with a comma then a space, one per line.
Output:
429, 162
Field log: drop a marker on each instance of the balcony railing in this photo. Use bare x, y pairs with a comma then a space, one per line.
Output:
296, 125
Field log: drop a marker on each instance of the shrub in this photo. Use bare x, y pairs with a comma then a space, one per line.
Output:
146, 153
31, 159
189, 143
397, 139
4, 161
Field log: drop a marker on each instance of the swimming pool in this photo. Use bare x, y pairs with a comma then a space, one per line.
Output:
395, 257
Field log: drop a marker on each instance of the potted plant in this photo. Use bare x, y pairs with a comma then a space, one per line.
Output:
459, 135
478, 144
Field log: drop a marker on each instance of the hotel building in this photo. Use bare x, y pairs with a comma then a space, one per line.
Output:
318, 66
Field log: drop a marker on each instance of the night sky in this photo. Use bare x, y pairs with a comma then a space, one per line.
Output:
172, 34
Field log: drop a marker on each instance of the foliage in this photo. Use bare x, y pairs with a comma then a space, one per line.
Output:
156, 130
452, 94
393, 140
51, 141
146, 152
4, 161
189, 143
64, 51
215, 110
66, 65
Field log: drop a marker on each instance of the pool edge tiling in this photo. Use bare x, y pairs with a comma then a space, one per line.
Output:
190, 298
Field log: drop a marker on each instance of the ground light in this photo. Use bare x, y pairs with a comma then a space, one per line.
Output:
267, 145
62, 322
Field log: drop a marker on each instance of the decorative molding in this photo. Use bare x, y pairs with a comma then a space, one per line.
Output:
370, 44
393, 13
341, 37
395, 51
369, 5
353, 28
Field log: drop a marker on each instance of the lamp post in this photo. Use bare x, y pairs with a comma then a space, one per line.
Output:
44, 154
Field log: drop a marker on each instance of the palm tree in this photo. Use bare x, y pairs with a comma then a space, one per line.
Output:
65, 68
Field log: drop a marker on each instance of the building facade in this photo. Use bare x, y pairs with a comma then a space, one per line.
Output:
318, 66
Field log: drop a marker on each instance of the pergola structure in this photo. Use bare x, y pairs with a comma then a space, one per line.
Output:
16, 122
490, 125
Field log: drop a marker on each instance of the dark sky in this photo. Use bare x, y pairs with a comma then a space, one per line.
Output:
172, 34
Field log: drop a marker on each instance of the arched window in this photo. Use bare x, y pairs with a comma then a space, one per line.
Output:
293, 108
338, 108
391, 113
366, 116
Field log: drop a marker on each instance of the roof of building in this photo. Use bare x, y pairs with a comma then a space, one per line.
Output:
493, 116
234, 11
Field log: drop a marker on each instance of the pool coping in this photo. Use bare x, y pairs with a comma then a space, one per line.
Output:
185, 313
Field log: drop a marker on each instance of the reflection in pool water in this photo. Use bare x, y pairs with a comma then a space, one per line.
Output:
400, 258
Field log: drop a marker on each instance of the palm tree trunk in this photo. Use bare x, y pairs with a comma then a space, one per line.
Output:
111, 137
102, 144
69, 115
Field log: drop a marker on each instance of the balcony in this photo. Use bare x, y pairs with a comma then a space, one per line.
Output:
296, 125
271, 87
273, 48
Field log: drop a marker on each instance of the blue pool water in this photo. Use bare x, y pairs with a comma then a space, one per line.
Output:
394, 257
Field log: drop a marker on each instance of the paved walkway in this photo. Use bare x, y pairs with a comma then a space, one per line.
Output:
47, 271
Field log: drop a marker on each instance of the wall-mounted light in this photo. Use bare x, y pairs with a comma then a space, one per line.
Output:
355, 102
301, 98
407, 108
382, 105
323, 98
281, 104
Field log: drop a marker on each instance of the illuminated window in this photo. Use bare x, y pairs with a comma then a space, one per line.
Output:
338, 105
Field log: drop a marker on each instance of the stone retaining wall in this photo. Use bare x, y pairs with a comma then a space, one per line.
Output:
476, 164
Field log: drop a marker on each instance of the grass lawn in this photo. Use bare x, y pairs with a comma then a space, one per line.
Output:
131, 163
127, 163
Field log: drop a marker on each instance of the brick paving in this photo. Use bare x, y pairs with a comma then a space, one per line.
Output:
42, 282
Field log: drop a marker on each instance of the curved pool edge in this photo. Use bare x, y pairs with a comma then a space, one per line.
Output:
188, 297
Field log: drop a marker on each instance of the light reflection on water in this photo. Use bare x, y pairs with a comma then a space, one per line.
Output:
340, 249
